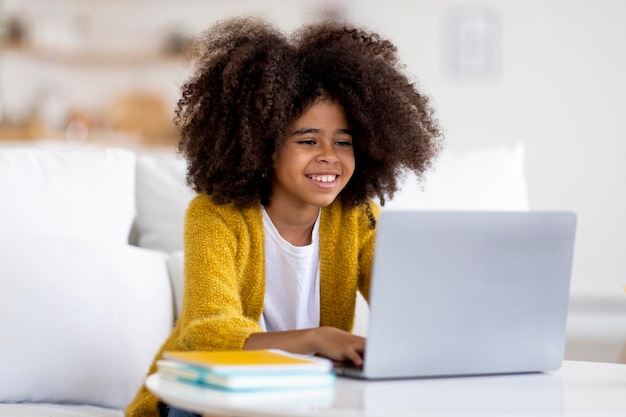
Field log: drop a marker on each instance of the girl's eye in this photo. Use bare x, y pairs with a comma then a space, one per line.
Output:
344, 143
307, 142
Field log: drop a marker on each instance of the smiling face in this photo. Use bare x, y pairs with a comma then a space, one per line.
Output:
316, 161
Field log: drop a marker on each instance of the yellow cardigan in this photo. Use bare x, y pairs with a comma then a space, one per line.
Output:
225, 277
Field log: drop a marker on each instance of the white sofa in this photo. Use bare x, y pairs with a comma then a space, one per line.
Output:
87, 240
91, 264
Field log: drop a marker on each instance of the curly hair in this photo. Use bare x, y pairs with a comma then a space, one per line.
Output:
251, 82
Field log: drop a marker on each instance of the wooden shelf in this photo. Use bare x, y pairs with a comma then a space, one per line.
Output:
93, 58
102, 138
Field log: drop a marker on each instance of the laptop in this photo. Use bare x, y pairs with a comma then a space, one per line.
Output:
468, 293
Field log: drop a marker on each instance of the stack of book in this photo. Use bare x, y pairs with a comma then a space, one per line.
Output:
247, 370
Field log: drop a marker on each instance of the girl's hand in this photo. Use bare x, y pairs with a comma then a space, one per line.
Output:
338, 345
329, 342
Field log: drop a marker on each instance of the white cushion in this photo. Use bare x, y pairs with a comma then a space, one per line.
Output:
80, 321
175, 265
361, 316
489, 178
162, 198
84, 194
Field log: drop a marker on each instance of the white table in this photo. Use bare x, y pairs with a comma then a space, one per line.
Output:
577, 389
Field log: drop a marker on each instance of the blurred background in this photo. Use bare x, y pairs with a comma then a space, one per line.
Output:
110, 71
548, 74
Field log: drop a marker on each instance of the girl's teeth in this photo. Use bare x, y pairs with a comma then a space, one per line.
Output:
323, 178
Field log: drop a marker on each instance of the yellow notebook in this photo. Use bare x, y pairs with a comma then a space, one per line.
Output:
251, 361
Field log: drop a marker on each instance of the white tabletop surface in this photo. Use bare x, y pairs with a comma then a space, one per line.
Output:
577, 389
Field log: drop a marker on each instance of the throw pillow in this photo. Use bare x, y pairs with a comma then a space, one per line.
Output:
80, 321
77, 193
162, 198
478, 179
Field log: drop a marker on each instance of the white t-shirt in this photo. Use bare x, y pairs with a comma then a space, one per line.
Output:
292, 281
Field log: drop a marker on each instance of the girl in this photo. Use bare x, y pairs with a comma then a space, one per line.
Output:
288, 140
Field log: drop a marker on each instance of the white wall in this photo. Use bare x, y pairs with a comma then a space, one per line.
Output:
555, 84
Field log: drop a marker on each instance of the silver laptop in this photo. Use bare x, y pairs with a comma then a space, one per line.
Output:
468, 293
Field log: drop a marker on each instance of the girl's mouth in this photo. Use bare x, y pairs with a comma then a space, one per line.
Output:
323, 178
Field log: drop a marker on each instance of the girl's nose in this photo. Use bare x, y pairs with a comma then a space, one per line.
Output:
327, 154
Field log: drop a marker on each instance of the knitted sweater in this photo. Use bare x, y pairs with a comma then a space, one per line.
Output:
225, 277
